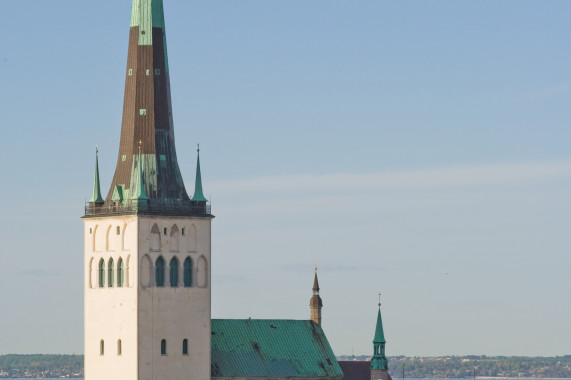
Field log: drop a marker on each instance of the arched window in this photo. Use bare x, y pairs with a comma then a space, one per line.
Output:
101, 273
160, 271
119, 348
174, 239
187, 272
155, 241
185, 347
120, 273
174, 272
110, 277
202, 273
101, 347
163, 347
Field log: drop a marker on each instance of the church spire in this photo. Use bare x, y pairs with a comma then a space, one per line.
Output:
198, 194
379, 360
147, 113
148, 171
315, 303
96, 196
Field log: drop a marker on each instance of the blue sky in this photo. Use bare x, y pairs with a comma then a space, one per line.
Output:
388, 142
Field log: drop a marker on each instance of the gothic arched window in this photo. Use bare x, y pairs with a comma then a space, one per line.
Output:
101, 273
187, 272
110, 276
174, 272
120, 273
160, 271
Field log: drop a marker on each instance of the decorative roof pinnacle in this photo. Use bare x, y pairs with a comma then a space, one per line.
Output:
96, 196
198, 194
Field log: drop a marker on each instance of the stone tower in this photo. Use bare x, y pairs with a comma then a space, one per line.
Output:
315, 303
147, 244
379, 363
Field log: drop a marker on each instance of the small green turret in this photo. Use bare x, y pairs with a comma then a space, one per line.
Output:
96, 196
198, 194
379, 360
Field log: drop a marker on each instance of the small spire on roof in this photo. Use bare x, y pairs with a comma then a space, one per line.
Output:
198, 194
96, 197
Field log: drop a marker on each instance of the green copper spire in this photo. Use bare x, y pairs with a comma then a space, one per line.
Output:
198, 195
379, 334
140, 193
96, 196
379, 360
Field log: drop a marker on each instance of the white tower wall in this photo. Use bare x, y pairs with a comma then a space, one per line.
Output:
140, 313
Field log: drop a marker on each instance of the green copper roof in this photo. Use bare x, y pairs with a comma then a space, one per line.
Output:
149, 14
140, 193
96, 196
271, 348
379, 334
198, 195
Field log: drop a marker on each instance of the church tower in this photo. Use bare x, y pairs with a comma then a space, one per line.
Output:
147, 243
379, 363
315, 303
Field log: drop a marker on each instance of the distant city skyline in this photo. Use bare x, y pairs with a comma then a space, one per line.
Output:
417, 149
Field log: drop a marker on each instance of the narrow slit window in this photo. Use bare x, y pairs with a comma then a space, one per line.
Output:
148, 72
142, 111
165, 231
182, 232
101, 347
118, 230
130, 72
124, 158
163, 347
185, 347
110, 274
119, 348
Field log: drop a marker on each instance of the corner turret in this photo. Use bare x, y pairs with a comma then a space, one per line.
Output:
96, 198
198, 194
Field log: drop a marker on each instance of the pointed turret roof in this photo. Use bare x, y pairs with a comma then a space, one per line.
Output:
96, 196
379, 334
315, 283
198, 194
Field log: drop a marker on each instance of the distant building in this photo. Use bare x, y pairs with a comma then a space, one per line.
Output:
148, 259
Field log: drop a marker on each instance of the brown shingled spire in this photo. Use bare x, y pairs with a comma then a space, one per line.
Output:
147, 117
315, 303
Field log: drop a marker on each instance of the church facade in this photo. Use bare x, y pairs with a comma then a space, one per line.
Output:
147, 259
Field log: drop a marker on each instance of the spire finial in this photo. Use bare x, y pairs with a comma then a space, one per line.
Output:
379, 299
96, 149
198, 147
